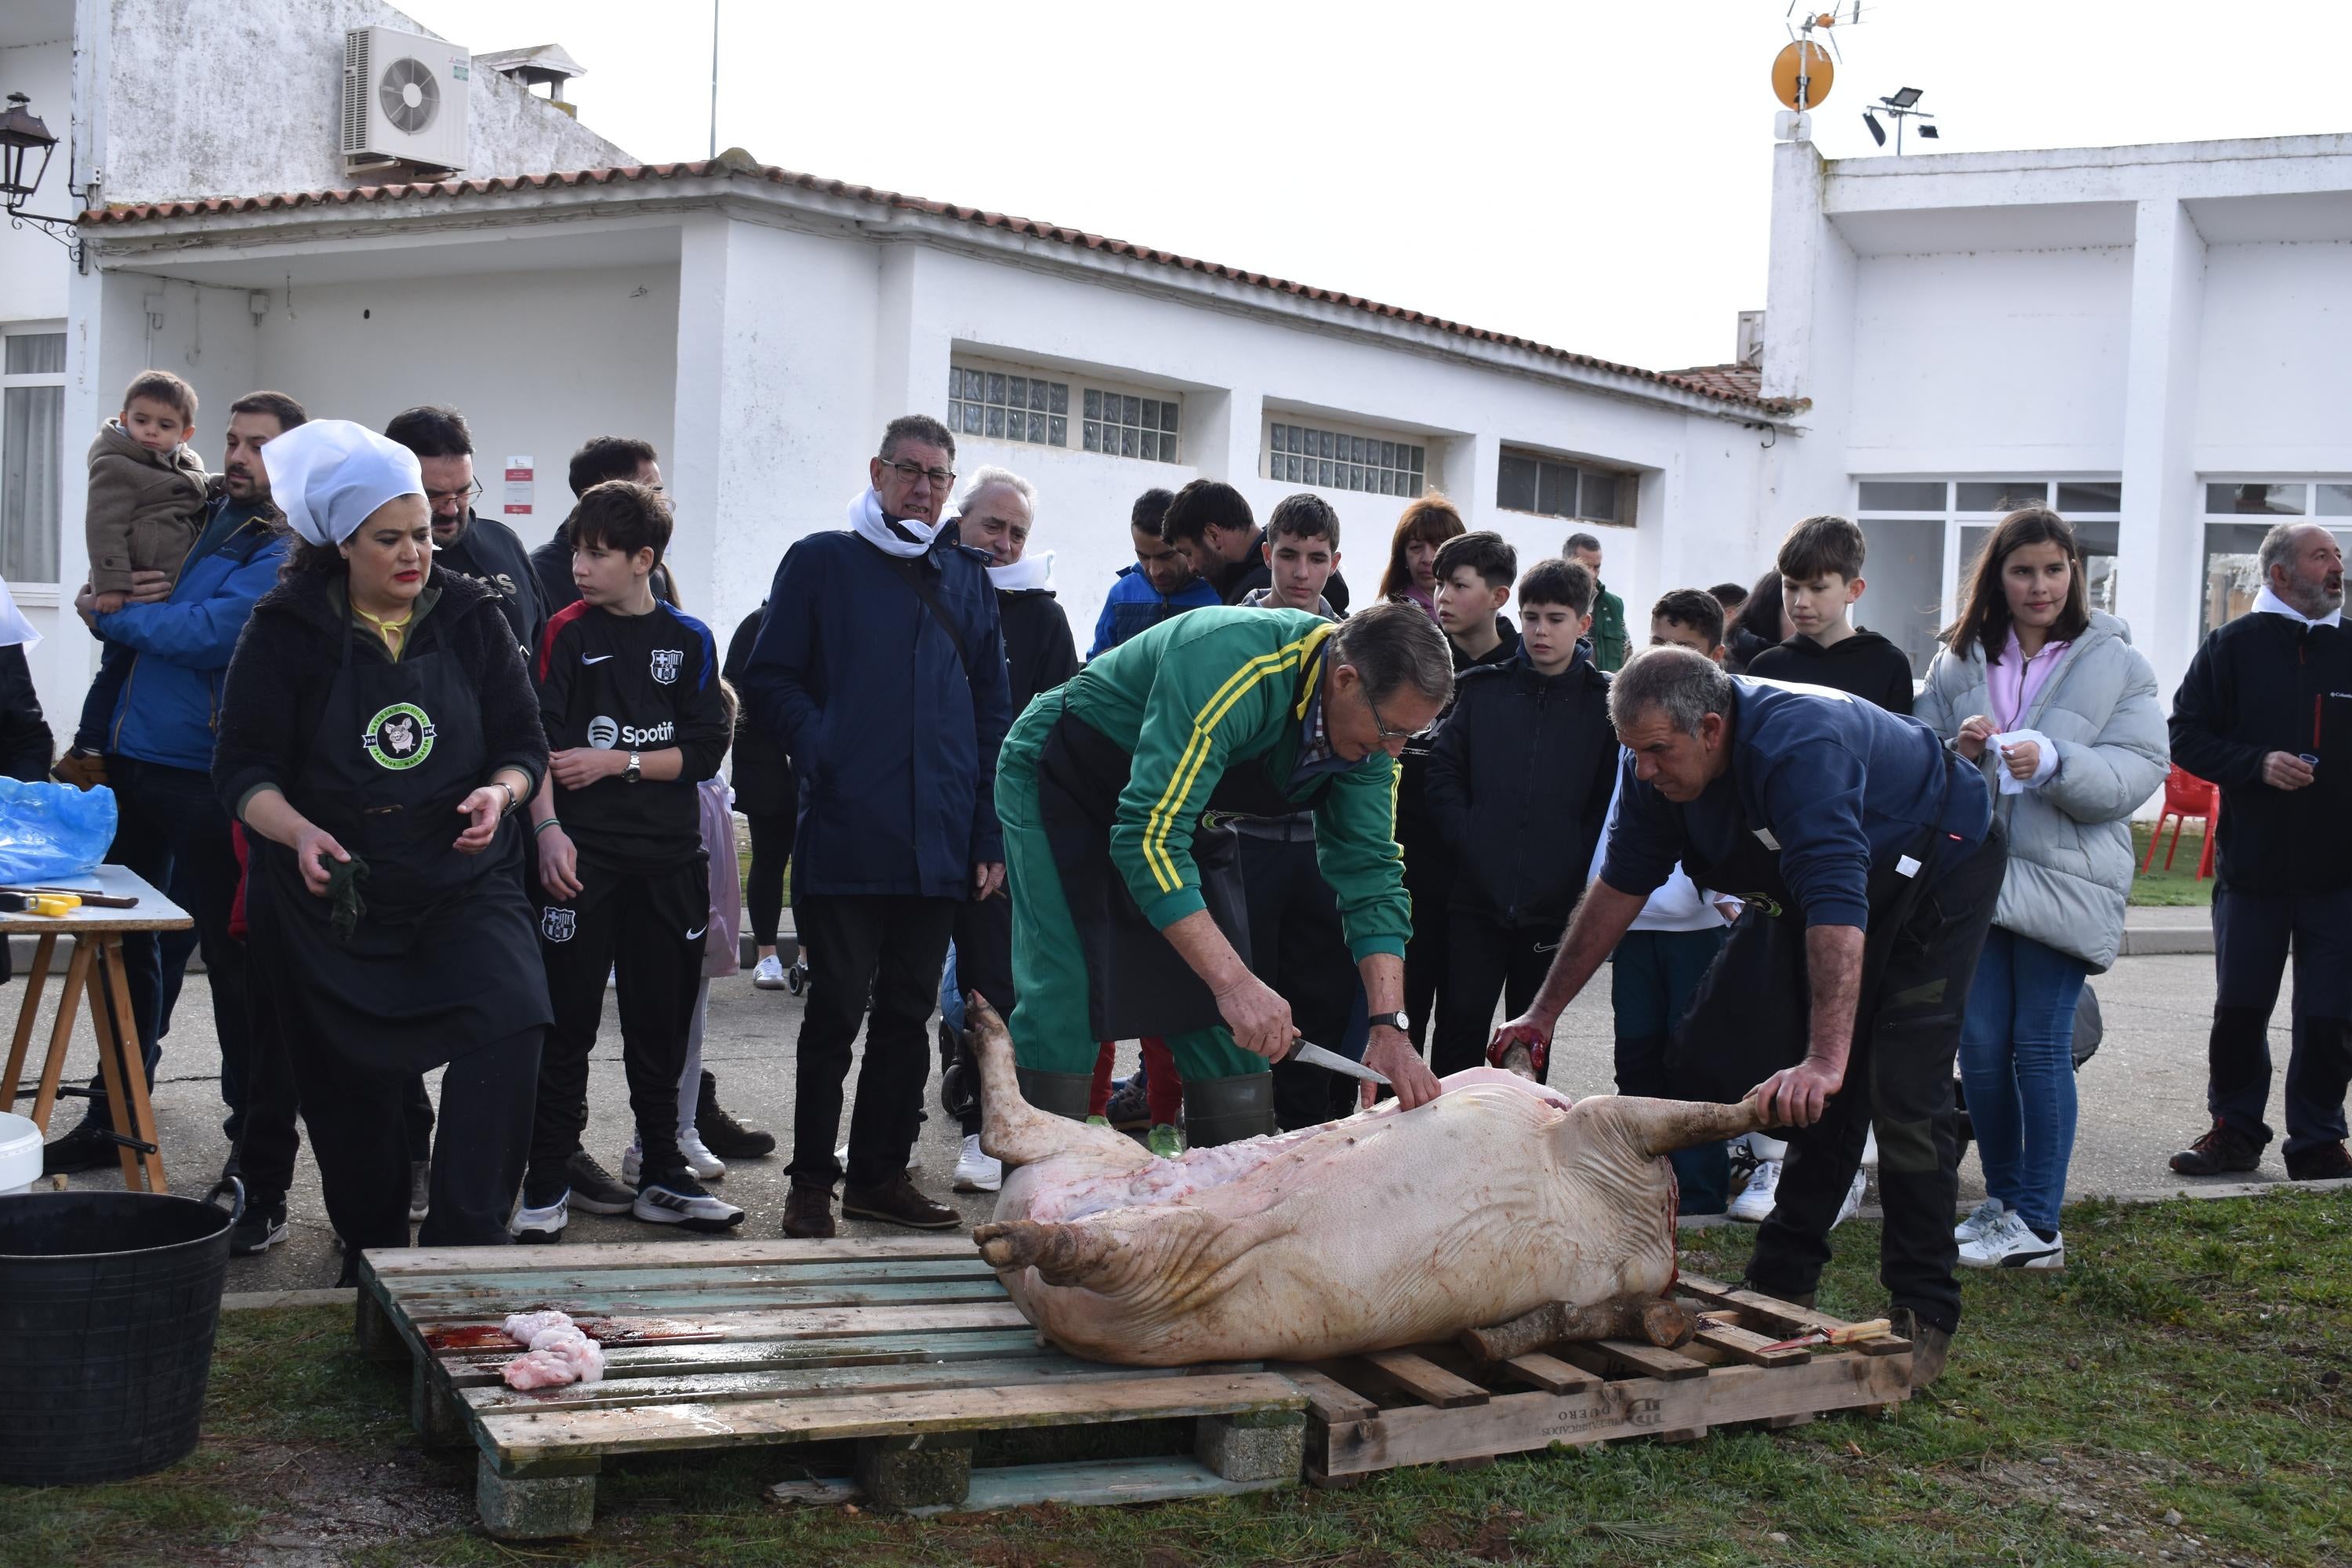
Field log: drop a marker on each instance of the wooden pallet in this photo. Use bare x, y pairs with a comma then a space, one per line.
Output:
908, 1348
1433, 1404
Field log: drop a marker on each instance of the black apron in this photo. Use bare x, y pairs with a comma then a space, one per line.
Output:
1137, 982
1765, 960
445, 959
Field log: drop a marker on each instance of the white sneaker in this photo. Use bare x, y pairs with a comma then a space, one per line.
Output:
1852, 1198
1754, 1204
975, 1171
708, 1166
2012, 1244
769, 974
1981, 1218
681, 1201
541, 1226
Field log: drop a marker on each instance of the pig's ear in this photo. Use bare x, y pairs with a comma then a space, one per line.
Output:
1656, 1127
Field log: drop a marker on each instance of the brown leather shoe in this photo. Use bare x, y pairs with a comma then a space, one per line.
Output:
2223, 1149
2325, 1163
898, 1202
1931, 1347
808, 1213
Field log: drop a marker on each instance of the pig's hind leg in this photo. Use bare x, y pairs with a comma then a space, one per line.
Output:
1017, 1132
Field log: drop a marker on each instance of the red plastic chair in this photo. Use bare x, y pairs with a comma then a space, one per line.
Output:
2185, 795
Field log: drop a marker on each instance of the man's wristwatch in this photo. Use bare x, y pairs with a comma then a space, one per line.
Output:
1401, 1022
635, 771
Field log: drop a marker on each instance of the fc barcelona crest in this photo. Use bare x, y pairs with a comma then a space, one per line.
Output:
666, 661
557, 925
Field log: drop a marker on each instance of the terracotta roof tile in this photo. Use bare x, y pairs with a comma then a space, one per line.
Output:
1724, 384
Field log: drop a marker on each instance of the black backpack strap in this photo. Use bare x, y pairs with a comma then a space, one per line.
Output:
927, 590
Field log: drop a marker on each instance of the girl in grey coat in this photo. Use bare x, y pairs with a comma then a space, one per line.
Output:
2057, 707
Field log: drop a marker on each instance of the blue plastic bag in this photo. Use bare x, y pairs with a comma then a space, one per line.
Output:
52, 830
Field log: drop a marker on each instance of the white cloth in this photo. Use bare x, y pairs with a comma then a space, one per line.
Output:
15, 631
329, 475
1679, 904
1032, 572
905, 539
2269, 604
2044, 768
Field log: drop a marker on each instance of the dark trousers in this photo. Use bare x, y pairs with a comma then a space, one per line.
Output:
269, 1141
1429, 883
1898, 1078
171, 830
763, 879
1297, 947
983, 963
2253, 933
1652, 977
646, 929
894, 946
1485, 962
359, 1135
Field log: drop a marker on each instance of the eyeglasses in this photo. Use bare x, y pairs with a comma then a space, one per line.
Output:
467, 495
1380, 723
941, 477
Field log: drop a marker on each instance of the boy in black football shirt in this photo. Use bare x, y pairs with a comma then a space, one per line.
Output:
628, 690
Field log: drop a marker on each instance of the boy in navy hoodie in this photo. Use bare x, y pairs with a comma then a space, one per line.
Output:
1518, 785
1821, 577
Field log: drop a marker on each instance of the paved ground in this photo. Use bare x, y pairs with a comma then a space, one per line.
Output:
2142, 1098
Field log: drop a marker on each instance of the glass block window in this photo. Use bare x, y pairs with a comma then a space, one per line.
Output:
1125, 424
1553, 487
1005, 405
1333, 460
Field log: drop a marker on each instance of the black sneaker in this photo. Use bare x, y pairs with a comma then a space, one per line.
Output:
2223, 1149
674, 1198
593, 1190
1129, 1106
2320, 1163
721, 1133
261, 1227
88, 1147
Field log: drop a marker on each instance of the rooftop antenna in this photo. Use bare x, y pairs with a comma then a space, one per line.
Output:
714, 79
1901, 106
1805, 69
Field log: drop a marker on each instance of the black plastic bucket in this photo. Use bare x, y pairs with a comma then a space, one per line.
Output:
108, 1304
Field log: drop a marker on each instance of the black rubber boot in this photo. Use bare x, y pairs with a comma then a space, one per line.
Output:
1058, 1093
1228, 1109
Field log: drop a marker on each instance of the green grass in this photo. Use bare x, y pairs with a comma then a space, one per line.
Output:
2192, 1361
2180, 887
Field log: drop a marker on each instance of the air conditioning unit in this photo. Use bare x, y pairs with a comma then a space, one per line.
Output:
403, 99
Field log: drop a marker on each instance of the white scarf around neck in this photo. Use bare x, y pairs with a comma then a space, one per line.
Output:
905, 539
1032, 573
2268, 603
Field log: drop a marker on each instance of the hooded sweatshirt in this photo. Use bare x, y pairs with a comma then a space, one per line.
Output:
1864, 665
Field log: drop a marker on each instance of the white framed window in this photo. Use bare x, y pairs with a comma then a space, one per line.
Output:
1304, 450
1119, 424
2238, 512
1567, 487
32, 449
1004, 405
1924, 536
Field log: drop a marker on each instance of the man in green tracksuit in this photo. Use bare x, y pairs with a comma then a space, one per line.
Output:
1127, 913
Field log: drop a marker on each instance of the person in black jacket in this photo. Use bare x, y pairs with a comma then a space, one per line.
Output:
2263, 712
465, 544
600, 458
1761, 622
1518, 785
769, 798
998, 510
375, 732
1821, 577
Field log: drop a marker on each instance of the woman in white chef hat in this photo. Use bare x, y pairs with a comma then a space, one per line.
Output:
377, 730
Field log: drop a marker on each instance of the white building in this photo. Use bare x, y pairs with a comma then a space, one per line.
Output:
2130, 326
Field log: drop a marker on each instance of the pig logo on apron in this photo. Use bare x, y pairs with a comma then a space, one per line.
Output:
666, 664
557, 925
399, 737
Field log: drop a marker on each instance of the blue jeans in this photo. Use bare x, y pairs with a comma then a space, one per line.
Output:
1653, 975
2016, 1062
950, 993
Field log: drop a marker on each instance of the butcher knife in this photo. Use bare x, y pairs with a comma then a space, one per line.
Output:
1316, 1056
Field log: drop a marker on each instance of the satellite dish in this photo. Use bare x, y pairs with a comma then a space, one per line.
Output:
1809, 61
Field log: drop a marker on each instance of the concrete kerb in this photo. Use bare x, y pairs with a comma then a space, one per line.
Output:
249, 1300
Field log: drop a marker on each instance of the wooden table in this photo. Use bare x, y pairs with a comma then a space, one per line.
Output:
95, 969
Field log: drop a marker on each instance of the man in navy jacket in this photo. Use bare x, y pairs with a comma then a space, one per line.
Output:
882, 667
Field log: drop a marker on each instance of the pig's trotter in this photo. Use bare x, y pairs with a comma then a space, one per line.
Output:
1519, 1059
1017, 1132
1061, 1254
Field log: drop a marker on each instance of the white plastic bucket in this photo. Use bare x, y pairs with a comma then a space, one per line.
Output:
20, 1153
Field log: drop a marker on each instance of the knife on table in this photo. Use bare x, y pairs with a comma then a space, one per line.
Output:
1316, 1056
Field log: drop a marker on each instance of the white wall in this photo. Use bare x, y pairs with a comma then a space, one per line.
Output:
32, 266
2273, 347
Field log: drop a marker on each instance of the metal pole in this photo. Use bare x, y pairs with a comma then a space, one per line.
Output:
714, 79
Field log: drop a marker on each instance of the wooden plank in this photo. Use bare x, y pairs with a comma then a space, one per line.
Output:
1425, 1380
1747, 1347
529, 1286
476, 1369
429, 1310
800, 1382
1552, 1375
1327, 1398
1625, 1357
650, 1428
806, 1324
407, 1262
1786, 1317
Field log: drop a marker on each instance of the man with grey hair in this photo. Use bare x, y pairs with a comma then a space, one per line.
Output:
2262, 712
1127, 917
1869, 864
998, 510
881, 668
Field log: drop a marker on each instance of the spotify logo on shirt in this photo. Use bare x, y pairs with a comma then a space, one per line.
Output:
604, 734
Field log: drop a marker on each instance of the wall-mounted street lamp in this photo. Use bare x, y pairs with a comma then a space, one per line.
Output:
22, 134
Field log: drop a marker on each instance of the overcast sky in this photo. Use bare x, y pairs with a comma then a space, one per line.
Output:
1592, 177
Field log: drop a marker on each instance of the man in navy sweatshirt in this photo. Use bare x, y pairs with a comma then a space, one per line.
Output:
1868, 857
